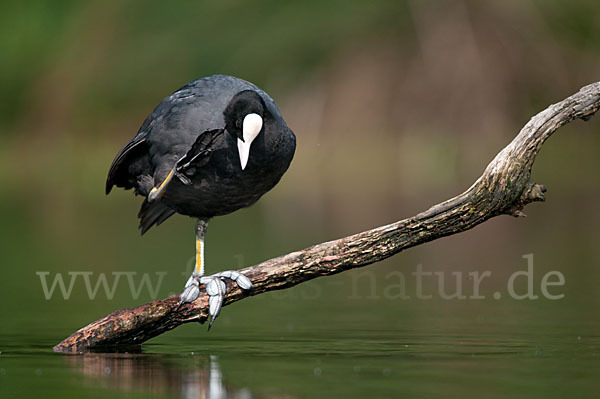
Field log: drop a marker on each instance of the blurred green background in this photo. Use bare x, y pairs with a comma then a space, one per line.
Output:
396, 105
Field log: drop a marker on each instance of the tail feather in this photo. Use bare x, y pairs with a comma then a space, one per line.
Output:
153, 213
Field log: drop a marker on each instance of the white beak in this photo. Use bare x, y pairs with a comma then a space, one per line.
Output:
250, 129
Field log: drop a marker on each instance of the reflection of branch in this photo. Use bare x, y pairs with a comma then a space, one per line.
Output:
155, 374
504, 188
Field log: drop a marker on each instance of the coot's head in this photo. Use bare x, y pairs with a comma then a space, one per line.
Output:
244, 116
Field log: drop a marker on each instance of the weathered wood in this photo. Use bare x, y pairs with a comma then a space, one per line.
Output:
503, 188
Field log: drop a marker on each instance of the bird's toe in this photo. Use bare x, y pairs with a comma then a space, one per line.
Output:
214, 286
243, 282
190, 293
215, 303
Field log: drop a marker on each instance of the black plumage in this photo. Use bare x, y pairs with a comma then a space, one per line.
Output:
214, 146
194, 133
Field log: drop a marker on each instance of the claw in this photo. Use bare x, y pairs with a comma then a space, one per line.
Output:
215, 288
214, 309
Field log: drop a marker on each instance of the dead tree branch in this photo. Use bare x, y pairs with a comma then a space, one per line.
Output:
504, 188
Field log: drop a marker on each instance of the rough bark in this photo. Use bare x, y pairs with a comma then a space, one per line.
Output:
505, 187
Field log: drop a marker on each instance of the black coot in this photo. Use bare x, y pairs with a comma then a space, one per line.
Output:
214, 146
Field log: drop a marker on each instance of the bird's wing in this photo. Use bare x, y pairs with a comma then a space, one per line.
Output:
155, 212
198, 155
118, 174
132, 160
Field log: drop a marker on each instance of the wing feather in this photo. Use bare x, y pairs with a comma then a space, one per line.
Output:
118, 174
199, 154
156, 212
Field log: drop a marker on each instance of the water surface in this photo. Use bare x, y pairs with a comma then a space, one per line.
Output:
492, 359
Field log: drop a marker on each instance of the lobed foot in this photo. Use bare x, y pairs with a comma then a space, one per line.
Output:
215, 288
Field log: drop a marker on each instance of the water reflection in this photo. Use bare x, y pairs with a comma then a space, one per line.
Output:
194, 376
